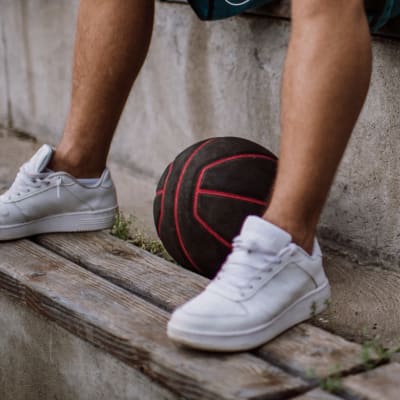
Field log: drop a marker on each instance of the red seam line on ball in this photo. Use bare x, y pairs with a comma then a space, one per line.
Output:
198, 190
232, 196
162, 191
178, 188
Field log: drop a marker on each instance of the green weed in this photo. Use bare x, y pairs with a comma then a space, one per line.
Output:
127, 229
122, 226
331, 383
373, 353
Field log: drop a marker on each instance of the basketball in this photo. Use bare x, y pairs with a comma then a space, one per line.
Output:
204, 196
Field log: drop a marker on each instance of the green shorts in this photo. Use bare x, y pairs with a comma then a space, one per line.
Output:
219, 9
379, 11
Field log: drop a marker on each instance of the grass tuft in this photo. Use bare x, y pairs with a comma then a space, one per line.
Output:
373, 353
332, 383
127, 229
122, 226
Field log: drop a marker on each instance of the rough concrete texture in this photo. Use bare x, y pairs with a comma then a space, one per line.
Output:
4, 114
41, 361
38, 36
206, 79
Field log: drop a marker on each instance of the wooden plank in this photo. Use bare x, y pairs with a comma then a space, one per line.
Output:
305, 350
132, 329
161, 282
317, 394
311, 352
379, 384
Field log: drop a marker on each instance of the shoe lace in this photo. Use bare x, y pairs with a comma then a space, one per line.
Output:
246, 264
26, 182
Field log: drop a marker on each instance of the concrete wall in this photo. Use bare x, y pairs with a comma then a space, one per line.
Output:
41, 361
206, 79
38, 37
3, 79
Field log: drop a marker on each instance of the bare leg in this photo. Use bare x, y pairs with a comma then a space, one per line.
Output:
325, 83
111, 44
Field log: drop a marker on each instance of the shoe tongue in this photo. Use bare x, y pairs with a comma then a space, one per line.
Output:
268, 236
41, 159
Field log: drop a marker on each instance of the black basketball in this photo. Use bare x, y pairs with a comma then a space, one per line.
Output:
205, 194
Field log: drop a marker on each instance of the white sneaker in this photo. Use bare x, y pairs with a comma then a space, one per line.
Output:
43, 201
267, 285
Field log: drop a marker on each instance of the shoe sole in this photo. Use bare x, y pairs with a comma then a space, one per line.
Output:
68, 222
304, 308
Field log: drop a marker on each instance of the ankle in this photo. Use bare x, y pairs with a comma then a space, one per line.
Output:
74, 164
303, 234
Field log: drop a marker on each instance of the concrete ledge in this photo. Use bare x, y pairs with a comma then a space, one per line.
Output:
4, 111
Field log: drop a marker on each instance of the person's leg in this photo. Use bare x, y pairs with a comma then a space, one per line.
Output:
325, 83
269, 283
54, 192
112, 40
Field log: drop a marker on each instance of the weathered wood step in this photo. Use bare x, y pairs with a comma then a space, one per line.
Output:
132, 329
379, 384
161, 282
317, 395
306, 350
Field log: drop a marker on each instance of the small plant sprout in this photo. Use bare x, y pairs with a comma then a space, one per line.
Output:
327, 303
374, 353
121, 227
331, 383
313, 309
126, 228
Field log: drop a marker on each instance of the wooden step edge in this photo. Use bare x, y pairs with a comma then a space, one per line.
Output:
306, 351
378, 384
317, 394
156, 280
132, 329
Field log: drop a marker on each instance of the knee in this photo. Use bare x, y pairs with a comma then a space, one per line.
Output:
309, 10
